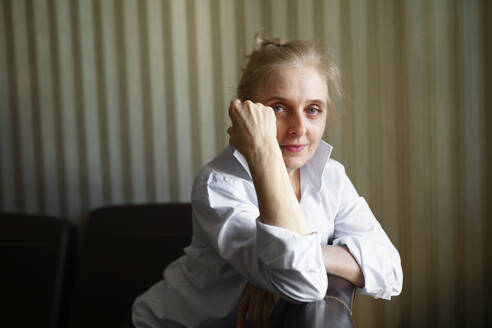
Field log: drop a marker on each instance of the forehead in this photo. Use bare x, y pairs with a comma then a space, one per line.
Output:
296, 84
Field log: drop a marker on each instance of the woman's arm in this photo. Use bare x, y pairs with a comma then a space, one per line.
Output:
339, 262
254, 134
357, 230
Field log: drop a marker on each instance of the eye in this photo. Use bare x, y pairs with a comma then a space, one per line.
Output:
278, 108
314, 110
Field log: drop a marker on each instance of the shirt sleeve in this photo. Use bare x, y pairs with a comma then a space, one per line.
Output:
358, 229
276, 259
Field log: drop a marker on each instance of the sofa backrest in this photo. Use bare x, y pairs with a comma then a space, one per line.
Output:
37, 259
124, 251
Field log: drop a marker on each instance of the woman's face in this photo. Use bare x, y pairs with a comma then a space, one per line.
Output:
299, 98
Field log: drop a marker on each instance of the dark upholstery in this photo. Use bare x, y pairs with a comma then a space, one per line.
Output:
124, 251
36, 255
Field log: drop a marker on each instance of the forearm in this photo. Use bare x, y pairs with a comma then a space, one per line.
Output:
277, 201
338, 261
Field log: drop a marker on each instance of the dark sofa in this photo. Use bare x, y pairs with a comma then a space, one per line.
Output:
55, 276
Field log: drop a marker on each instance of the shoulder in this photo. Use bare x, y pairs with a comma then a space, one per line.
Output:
223, 168
224, 174
333, 171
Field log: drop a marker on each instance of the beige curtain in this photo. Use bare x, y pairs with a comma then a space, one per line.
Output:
122, 101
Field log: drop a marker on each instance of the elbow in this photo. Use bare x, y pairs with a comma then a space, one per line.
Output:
385, 286
397, 285
301, 287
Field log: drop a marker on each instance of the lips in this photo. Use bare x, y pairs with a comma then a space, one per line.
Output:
293, 148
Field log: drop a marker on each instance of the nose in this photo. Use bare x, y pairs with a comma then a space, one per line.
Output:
297, 124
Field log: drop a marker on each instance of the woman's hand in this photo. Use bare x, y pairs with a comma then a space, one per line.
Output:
257, 304
254, 129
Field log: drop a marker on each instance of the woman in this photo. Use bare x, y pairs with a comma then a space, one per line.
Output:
273, 214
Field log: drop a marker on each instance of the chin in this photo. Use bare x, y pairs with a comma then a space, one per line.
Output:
293, 164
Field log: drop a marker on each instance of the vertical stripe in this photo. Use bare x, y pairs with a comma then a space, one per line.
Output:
388, 139
239, 22
90, 92
266, 17
124, 124
134, 97
101, 93
195, 100
305, 22
332, 39
358, 47
22, 109
443, 167
205, 86
253, 18
292, 20
318, 17
220, 103
458, 160
360, 121
65, 68
230, 75
47, 154
347, 127
179, 30
37, 145
400, 78
80, 106
374, 127
346, 67
170, 102
417, 95
373, 85
429, 142
8, 169
112, 106
158, 86
473, 161
279, 18
58, 166
147, 128
487, 122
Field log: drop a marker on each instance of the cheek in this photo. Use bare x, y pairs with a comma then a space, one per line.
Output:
317, 129
280, 129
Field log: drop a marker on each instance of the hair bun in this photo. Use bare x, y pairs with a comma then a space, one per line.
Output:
265, 42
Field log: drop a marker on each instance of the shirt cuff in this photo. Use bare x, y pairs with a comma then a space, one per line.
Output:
280, 248
378, 272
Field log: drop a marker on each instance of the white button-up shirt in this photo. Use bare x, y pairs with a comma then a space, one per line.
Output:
231, 247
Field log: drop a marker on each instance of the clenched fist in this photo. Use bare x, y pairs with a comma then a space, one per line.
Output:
257, 305
254, 130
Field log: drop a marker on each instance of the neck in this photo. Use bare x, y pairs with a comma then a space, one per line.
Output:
295, 180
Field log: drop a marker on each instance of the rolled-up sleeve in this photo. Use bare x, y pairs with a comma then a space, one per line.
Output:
276, 259
358, 229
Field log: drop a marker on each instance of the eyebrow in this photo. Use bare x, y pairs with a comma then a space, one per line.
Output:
287, 100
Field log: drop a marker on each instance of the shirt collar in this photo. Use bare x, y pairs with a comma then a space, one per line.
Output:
317, 163
242, 160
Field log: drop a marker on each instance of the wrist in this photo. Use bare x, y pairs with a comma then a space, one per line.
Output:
264, 156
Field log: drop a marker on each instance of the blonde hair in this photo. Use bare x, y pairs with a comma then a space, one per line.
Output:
271, 54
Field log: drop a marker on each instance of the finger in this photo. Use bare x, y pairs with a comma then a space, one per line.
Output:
235, 105
267, 311
258, 308
252, 109
252, 315
242, 310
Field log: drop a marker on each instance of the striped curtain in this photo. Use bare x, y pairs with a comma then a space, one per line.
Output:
122, 101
